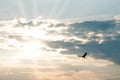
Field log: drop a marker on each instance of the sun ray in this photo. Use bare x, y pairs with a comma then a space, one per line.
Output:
59, 8
55, 8
35, 8
21, 8
63, 8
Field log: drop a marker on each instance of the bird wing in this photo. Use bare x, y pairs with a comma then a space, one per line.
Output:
84, 54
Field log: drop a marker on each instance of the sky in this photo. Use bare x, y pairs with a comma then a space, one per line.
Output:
42, 39
58, 9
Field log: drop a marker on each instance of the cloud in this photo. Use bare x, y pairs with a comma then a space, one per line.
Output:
15, 74
58, 66
34, 74
101, 37
50, 47
93, 25
117, 18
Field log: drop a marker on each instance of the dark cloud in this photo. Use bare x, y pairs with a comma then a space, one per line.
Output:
94, 25
107, 49
83, 28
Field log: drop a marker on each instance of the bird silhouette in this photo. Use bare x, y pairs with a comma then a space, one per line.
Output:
84, 55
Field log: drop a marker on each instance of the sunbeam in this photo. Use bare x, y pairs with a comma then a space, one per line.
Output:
63, 8
35, 8
59, 8
21, 8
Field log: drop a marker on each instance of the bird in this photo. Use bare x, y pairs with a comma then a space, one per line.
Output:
84, 55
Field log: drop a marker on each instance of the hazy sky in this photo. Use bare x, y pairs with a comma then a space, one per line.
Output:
60, 9
41, 48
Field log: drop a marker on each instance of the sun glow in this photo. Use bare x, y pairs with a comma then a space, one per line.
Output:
32, 49
31, 46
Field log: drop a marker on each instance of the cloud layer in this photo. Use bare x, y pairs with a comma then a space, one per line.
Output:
50, 47
99, 38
